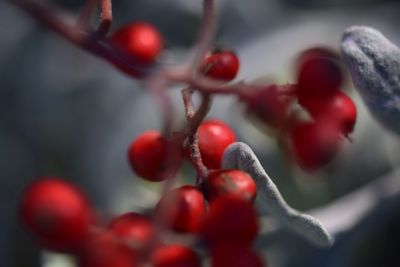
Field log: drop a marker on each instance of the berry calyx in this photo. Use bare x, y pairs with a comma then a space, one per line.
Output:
56, 213
221, 65
235, 256
230, 220
184, 208
314, 144
134, 228
337, 108
174, 256
154, 157
140, 40
214, 137
230, 182
318, 73
105, 250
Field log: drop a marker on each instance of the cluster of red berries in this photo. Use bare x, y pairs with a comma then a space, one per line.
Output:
218, 211
313, 141
333, 114
61, 219
142, 43
230, 194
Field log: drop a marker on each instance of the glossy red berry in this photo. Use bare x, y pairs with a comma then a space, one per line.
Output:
154, 157
214, 137
230, 182
314, 144
134, 228
184, 208
105, 250
56, 213
140, 40
337, 108
221, 65
318, 73
230, 220
174, 256
235, 256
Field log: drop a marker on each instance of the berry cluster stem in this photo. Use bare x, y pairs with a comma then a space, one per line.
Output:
194, 120
105, 18
50, 17
87, 11
205, 36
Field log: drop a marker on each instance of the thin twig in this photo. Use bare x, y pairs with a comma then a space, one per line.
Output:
76, 35
105, 18
86, 13
204, 84
194, 120
205, 36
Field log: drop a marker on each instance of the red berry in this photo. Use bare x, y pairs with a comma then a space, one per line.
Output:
174, 256
134, 228
221, 65
214, 137
154, 157
57, 214
318, 73
230, 182
270, 105
314, 144
235, 256
140, 40
184, 208
105, 250
338, 108
230, 220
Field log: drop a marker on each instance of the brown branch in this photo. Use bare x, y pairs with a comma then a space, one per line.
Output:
205, 36
50, 17
87, 11
194, 120
105, 18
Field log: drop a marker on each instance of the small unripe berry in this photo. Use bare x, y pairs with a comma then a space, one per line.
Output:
221, 65
235, 256
230, 220
183, 208
154, 157
214, 137
314, 144
57, 214
318, 73
230, 182
140, 40
337, 108
134, 228
105, 250
174, 256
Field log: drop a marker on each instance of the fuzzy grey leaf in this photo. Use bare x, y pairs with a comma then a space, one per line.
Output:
240, 156
374, 64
